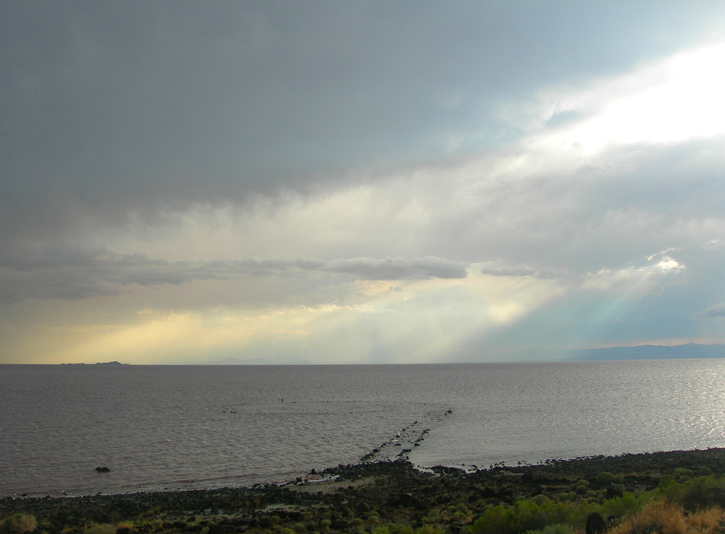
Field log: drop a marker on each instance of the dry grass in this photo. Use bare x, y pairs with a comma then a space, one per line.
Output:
706, 521
17, 524
666, 518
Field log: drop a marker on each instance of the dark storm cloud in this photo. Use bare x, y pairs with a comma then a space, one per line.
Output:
76, 273
119, 105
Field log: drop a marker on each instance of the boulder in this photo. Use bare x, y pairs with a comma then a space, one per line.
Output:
596, 524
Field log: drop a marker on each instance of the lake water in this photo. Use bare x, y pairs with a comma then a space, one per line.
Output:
169, 427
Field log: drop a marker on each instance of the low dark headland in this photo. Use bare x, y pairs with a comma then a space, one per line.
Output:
395, 498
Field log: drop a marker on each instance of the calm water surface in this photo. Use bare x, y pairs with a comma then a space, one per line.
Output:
214, 426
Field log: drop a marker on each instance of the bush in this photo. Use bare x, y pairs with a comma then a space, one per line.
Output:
655, 517
694, 494
496, 520
18, 523
532, 515
625, 505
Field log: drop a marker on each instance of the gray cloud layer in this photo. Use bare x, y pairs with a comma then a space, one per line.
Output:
74, 274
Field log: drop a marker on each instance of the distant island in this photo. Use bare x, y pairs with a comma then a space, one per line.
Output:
97, 363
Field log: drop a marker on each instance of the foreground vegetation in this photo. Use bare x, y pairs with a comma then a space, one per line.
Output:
664, 493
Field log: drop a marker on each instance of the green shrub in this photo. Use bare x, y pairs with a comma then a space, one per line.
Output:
581, 486
496, 520
683, 472
694, 494
532, 515
627, 504
325, 524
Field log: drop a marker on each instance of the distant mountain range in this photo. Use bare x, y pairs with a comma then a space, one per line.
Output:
650, 352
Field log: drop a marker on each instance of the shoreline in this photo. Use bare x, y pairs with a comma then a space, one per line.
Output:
354, 497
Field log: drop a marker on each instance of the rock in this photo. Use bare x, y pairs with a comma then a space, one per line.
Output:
596, 524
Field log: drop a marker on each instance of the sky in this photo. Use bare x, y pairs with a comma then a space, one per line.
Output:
330, 182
